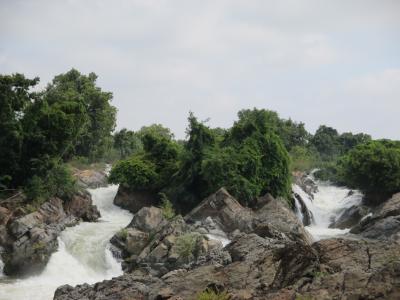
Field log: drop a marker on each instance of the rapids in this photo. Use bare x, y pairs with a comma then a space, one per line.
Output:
83, 255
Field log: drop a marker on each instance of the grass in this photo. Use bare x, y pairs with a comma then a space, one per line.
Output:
209, 294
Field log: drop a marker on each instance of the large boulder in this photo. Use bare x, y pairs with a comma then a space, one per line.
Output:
134, 200
384, 223
90, 178
81, 206
276, 220
148, 219
223, 209
350, 217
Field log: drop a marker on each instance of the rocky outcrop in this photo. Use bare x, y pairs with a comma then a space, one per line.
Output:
264, 268
80, 205
225, 210
134, 200
90, 178
382, 224
152, 244
29, 240
273, 219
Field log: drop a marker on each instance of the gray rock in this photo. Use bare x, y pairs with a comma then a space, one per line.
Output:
134, 200
350, 217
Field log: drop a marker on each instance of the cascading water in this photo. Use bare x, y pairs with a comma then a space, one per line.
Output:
328, 204
82, 257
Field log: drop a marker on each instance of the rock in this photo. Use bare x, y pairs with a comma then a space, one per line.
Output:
384, 223
5, 215
225, 210
307, 215
275, 220
80, 205
90, 178
136, 240
306, 182
148, 219
134, 200
350, 217
30, 239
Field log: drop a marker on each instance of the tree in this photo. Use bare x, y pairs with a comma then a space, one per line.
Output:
15, 96
326, 141
127, 142
374, 168
95, 138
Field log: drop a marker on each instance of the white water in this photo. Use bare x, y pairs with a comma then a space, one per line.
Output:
83, 255
328, 204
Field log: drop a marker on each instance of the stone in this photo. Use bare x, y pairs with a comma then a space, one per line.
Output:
147, 219
136, 241
134, 200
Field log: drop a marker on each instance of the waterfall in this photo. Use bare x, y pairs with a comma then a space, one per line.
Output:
83, 255
328, 203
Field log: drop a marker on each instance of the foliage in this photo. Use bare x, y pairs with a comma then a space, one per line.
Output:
123, 233
15, 96
41, 130
186, 245
167, 207
127, 143
374, 168
74, 88
303, 158
53, 179
210, 294
156, 129
135, 173
326, 141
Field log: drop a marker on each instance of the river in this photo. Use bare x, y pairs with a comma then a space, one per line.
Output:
82, 257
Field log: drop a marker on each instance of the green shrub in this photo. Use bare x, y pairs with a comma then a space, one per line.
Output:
209, 294
135, 173
123, 233
167, 207
374, 168
57, 181
186, 245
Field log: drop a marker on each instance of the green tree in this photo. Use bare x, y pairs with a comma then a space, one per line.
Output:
374, 168
326, 141
73, 87
127, 142
15, 96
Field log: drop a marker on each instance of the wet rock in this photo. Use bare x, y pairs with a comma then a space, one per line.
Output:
350, 217
275, 220
307, 215
80, 205
134, 200
306, 182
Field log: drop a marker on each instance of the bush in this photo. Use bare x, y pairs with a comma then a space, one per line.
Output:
209, 294
135, 173
374, 168
186, 245
303, 159
167, 207
57, 181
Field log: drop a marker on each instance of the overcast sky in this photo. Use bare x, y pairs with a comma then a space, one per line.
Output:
320, 62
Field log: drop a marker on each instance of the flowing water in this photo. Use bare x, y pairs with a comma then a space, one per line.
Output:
328, 204
82, 256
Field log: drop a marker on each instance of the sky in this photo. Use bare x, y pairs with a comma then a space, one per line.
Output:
319, 62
